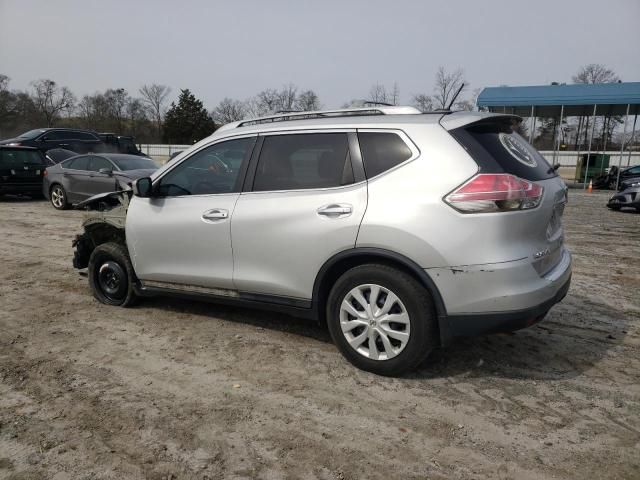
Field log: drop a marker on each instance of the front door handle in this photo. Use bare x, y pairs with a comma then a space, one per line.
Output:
336, 210
215, 214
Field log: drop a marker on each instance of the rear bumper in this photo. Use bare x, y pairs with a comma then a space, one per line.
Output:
478, 324
498, 297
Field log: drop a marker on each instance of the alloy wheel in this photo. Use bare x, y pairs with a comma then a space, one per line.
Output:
57, 197
375, 322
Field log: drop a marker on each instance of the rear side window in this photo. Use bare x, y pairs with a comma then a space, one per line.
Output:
96, 163
79, 163
303, 161
20, 158
381, 151
497, 149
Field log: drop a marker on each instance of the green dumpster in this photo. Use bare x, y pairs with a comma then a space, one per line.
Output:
597, 164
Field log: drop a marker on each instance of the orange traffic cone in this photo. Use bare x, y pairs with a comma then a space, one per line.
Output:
590, 188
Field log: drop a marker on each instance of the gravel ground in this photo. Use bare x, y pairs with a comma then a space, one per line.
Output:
172, 389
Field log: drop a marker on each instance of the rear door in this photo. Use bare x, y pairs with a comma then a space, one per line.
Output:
303, 202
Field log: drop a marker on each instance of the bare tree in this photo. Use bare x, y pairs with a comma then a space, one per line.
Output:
378, 94
136, 115
117, 100
447, 84
591, 74
4, 83
267, 102
287, 97
307, 101
394, 96
155, 97
595, 73
51, 100
228, 110
423, 102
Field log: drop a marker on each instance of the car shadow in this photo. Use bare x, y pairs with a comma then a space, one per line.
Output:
239, 314
575, 336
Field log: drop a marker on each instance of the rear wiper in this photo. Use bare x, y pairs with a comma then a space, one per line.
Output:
553, 168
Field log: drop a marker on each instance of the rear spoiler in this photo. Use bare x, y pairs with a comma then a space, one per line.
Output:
461, 119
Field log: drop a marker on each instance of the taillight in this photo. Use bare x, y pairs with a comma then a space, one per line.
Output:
495, 192
45, 173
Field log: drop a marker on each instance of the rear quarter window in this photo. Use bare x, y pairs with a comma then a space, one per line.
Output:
497, 149
381, 151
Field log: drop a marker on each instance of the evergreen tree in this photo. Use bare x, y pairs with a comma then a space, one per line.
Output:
188, 121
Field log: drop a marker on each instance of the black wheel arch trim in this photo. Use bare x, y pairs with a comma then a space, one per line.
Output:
393, 257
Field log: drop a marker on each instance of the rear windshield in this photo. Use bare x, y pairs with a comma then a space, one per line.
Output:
32, 133
497, 149
20, 158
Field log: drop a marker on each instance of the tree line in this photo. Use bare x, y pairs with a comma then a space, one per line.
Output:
148, 115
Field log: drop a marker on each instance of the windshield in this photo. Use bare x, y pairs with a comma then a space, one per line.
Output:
134, 163
32, 133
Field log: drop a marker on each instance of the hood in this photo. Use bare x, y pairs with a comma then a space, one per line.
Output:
11, 140
135, 174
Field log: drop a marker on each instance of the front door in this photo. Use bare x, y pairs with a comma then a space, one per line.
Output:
305, 205
181, 237
97, 182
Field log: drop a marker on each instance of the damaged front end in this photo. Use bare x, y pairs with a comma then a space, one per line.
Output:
103, 222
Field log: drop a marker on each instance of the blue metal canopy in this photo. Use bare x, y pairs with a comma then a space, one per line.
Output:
577, 99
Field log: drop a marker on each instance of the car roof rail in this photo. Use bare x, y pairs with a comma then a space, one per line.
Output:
343, 112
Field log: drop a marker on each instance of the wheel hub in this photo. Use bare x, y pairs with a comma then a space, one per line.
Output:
375, 322
112, 280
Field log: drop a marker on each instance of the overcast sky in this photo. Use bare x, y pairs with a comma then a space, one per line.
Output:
337, 48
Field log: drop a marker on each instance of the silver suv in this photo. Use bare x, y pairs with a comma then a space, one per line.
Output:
400, 230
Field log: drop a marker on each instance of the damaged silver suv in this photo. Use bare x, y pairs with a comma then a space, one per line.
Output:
400, 230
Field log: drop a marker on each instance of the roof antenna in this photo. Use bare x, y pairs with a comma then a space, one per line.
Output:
455, 96
375, 103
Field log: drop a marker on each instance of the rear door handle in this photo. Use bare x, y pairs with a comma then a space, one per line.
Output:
215, 214
336, 210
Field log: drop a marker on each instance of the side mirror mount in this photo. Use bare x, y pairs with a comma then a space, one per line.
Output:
106, 171
143, 187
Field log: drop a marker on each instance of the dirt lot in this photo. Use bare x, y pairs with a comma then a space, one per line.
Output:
172, 389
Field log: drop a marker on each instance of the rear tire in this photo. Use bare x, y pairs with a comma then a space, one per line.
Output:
111, 275
58, 197
381, 319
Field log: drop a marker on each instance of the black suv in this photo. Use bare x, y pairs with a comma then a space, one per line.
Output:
79, 141
119, 144
21, 170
